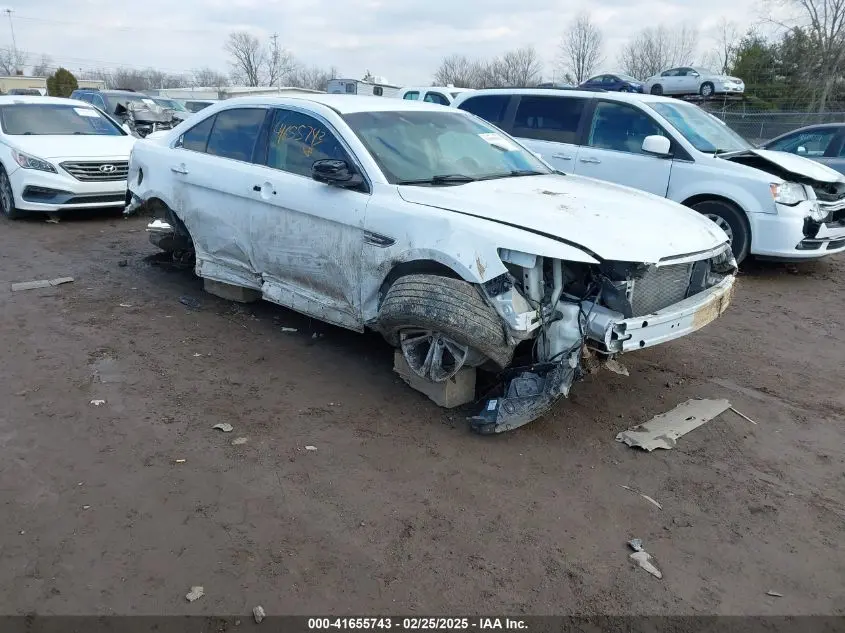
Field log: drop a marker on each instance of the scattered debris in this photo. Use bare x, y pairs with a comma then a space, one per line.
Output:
195, 594
223, 426
41, 283
774, 594
310, 448
317, 335
125, 305
52, 218
644, 496
289, 329
663, 430
97, 403
643, 559
181, 461
258, 614
23, 532
742, 415
197, 355
190, 302
617, 368
85, 507
123, 263
238, 441
636, 544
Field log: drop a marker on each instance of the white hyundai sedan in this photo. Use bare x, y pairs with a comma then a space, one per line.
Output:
59, 154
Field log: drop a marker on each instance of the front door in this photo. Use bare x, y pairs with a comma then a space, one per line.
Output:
307, 236
613, 150
213, 175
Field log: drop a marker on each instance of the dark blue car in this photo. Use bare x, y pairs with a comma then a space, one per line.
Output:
614, 83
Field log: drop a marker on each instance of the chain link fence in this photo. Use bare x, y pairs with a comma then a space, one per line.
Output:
761, 126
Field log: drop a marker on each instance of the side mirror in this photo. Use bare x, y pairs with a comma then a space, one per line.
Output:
335, 172
801, 150
657, 145
695, 75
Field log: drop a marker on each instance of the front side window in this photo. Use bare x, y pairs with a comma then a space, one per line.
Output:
620, 127
704, 131
21, 119
489, 107
670, 73
608, 80
412, 95
808, 143
196, 139
436, 97
418, 147
548, 118
235, 133
297, 140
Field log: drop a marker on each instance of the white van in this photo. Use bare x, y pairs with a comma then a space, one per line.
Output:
771, 204
444, 95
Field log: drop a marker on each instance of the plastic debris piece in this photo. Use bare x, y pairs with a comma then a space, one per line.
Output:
190, 302
644, 496
289, 329
258, 614
41, 283
181, 461
310, 448
125, 305
636, 544
97, 403
663, 430
774, 594
643, 559
238, 441
195, 593
85, 507
742, 415
617, 368
52, 218
223, 426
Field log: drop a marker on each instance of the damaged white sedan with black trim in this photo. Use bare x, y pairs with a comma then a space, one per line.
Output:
436, 229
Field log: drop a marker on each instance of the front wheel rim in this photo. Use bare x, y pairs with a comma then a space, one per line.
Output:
723, 224
432, 355
5, 193
706, 91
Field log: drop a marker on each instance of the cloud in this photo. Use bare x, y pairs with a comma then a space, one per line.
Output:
402, 40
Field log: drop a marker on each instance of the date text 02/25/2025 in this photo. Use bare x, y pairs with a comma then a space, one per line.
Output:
415, 624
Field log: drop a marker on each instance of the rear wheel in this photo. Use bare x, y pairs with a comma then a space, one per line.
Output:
732, 221
657, 89
7, 197
441, 325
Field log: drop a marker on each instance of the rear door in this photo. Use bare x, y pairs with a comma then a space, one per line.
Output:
670, 81
550, 126
613, 148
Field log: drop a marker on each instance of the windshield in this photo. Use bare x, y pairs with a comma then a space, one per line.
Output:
171, 104
55, 119
703, 130
422, 146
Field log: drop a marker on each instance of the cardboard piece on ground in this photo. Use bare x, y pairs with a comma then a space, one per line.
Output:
663, 430
41, 283
455, 392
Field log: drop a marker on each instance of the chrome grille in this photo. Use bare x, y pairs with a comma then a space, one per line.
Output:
102, 171
660, 288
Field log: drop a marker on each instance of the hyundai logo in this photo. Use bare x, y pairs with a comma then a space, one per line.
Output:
108, 169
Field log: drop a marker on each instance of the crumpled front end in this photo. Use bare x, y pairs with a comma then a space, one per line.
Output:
568, 310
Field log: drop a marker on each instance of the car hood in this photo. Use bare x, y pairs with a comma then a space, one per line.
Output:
614, 222
70, 146
785, 165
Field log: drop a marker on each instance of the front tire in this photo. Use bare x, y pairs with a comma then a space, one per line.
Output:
732, 221
442, 324
7, 197
707, 89
657, 89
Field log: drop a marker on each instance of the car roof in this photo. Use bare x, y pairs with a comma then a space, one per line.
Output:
12, 99
342, 103
627, 97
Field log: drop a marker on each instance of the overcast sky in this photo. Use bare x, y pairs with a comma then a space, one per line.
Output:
402, 40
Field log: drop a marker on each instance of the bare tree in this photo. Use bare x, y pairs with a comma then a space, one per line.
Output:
581, 48
12, 60
655, 49
824, 22
311, 77
279, 63
519, 67
248, 57
208, 77
458, 70
727, 38
44, 68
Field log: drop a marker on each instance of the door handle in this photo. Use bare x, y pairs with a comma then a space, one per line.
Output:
562, 156
595, 161
179, 169
259, 189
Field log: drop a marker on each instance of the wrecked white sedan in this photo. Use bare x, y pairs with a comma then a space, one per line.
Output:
432, 227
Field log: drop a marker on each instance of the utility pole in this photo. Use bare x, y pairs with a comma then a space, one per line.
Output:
14, 44
275, 58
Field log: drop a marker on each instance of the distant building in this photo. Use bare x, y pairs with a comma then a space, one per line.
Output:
19, 82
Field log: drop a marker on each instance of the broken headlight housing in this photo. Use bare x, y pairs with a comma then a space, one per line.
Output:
788, 193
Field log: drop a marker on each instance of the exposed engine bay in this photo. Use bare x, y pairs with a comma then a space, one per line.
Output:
571, 311
145, 118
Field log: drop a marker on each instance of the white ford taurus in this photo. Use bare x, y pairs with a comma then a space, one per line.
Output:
429, 225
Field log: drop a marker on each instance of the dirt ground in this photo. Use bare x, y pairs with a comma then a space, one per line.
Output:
401, 509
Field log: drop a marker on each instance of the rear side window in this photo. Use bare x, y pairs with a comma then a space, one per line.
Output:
196, 139
489, 107
548, 118
436, 97
235, 133
412, 96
